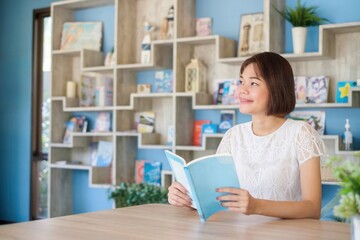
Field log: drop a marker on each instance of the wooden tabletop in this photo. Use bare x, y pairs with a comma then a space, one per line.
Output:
157, 221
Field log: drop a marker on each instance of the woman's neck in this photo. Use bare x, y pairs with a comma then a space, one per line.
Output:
262, 126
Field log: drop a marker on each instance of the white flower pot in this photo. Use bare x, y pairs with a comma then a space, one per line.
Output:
355, 227
299, 39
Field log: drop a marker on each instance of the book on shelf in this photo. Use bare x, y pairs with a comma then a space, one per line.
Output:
104, 154
87, 91
152, 173
343, 89
202, 176
314, 118
317, 89
203, 26
300, 89
227, 120
163, 81
197, 132
75, 124
139, 171
226, 91
103, 122
93, 153
104, 90
144, 122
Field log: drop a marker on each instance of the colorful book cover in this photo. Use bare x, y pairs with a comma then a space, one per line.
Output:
103, 122
88, 91
163, 81
197, 134
300, 89
317, 89
343, 89
226, 91
104, 154
152, 173
139, 171
93, 153
144, 122
315, 118
227, 120
209, 128
104, 91
203, 26
202, 184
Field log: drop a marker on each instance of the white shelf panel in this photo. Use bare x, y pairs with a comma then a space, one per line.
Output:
136, 66
213, 107
79, 4
88, 109
93, 134
61, 145
190, 148
99, 69
165, 42
143, 146
127, 134
323, 105
304, 56
330, 183
198, 40
67, 52
94, 185
152, 95
233, 61
70, 166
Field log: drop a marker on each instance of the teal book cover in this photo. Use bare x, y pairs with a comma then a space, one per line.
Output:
202, 176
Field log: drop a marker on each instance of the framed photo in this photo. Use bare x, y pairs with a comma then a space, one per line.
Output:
79, 35
251, 34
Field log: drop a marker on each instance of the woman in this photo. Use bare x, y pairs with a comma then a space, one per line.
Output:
277, 159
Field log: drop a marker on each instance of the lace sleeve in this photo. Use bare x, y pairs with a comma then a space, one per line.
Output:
308, 144
224, 146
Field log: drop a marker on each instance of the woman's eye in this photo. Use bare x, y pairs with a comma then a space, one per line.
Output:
241, 82
254, 84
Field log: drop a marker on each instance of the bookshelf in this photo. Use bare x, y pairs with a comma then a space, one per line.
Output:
176, 109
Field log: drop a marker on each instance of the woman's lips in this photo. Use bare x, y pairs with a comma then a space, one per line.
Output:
243, 100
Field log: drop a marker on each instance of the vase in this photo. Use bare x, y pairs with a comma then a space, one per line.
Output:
299, 39
355, 227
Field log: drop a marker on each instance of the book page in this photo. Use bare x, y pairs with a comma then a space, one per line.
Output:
208, 174
177, 166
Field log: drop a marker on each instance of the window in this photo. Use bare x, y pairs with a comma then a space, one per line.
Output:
40, 112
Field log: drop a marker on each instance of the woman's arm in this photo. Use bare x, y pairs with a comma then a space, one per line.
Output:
241, 201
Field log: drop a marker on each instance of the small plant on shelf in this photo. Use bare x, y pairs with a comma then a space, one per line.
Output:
131, 194
302, 16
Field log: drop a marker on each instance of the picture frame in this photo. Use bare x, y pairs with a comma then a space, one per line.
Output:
79, 35
251, 34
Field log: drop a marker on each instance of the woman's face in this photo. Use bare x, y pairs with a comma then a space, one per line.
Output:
253, 93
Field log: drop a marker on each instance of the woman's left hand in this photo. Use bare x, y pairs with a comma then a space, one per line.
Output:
238, 200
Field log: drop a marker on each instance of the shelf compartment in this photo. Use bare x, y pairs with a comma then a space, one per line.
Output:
131, 17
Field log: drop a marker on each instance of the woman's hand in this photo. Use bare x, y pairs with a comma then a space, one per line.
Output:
238, 200
178, 195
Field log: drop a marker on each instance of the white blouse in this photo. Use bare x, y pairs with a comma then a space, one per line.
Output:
268, 166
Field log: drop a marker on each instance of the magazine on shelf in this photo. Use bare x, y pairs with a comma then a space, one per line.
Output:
201, 177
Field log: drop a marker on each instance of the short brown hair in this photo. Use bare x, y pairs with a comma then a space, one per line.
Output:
279, 77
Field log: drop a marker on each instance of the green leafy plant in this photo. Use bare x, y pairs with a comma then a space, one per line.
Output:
301, 15
348, 172
130, 194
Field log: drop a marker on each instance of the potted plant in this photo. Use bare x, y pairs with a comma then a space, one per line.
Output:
130, 194
301, 17
348, 172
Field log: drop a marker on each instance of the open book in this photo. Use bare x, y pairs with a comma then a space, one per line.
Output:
202, 176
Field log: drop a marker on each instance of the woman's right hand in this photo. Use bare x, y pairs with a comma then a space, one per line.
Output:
178, 195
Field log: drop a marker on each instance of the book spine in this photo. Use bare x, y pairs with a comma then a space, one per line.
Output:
193, 194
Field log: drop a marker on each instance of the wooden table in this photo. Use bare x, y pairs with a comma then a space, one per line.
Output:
156, 221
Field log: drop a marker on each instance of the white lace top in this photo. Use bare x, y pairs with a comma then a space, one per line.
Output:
268, 166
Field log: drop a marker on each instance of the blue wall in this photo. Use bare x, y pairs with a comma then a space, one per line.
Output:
15, 92
15, 104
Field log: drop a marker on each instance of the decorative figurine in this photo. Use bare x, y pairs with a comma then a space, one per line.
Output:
146, 44
170, 23
195, 76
